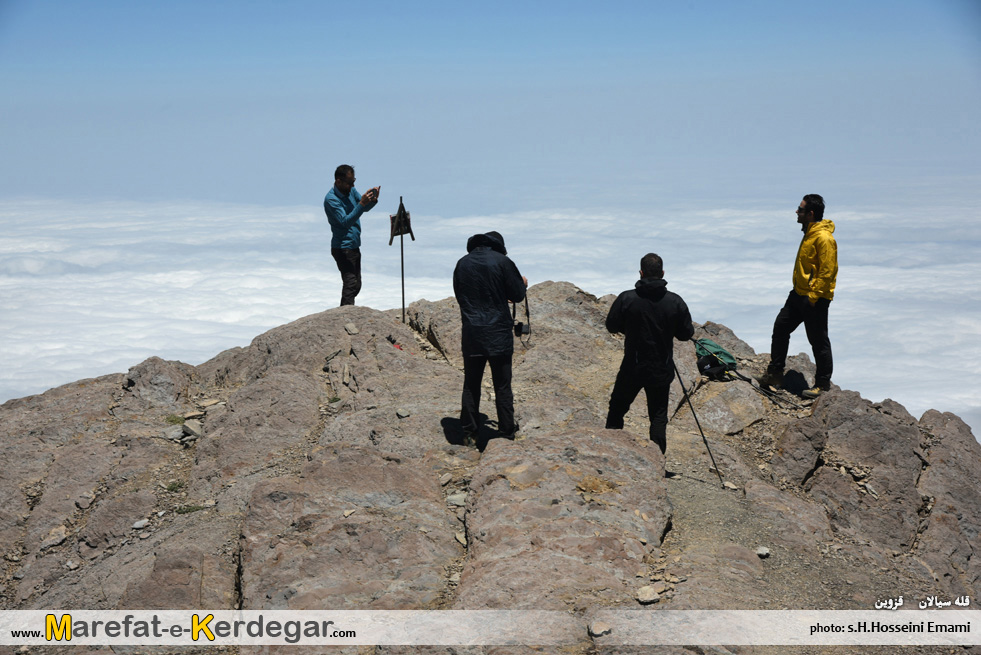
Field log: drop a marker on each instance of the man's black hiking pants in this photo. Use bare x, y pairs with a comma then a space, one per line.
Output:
625, 390
473, 373
798, 309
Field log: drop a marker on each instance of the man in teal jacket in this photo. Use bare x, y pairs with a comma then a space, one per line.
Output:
344, 206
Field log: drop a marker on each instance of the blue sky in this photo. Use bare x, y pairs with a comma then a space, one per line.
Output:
486, 106
162, 166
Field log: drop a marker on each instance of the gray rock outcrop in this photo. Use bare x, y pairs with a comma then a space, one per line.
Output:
323, 467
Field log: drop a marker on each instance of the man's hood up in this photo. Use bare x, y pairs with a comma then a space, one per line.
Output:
492, 240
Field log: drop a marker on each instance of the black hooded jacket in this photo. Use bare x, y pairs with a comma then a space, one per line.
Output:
483, 282
650, 317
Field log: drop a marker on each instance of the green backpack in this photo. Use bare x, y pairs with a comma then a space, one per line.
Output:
713, 359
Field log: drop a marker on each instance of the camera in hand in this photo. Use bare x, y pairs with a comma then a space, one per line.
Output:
521, 329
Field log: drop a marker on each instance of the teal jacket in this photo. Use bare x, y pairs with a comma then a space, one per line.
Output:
344, 214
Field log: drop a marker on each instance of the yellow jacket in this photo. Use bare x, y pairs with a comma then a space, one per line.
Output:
817, 262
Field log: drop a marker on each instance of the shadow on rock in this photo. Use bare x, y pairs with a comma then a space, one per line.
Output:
453, 430
795, 382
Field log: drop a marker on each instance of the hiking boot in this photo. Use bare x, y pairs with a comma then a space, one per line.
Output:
468, 438
813, 393
772, 379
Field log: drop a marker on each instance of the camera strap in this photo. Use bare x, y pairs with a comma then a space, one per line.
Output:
514, 313
514, 317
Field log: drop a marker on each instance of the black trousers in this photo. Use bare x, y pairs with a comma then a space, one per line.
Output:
349, 264
625, 390
473, 373
798, 309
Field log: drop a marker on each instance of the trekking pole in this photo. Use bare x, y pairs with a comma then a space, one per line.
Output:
704, 440
772, 395
779, 402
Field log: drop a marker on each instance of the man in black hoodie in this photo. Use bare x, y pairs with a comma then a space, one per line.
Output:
483, 282
650, 317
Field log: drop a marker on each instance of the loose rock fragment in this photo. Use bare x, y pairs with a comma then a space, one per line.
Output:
646, 595
458, 499
193, 428
56, 536
84, 500
599, 628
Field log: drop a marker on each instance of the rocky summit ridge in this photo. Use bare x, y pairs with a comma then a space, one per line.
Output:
322, 467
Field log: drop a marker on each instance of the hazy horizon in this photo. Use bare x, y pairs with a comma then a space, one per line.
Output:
163, 167
113, 283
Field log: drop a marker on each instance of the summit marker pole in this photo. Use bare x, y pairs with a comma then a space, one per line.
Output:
402, 257
401, 223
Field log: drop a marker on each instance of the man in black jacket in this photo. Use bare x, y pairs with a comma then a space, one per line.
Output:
483, 282
650, 317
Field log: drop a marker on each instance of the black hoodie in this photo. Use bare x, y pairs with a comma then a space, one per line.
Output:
483, 282
650, 316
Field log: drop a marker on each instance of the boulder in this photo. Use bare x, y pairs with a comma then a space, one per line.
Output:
847, 432
724, 407
950, 527
159, 382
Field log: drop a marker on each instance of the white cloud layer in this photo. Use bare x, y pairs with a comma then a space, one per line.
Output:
94, 289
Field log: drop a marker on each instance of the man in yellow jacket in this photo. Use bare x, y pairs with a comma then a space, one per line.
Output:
814, 287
